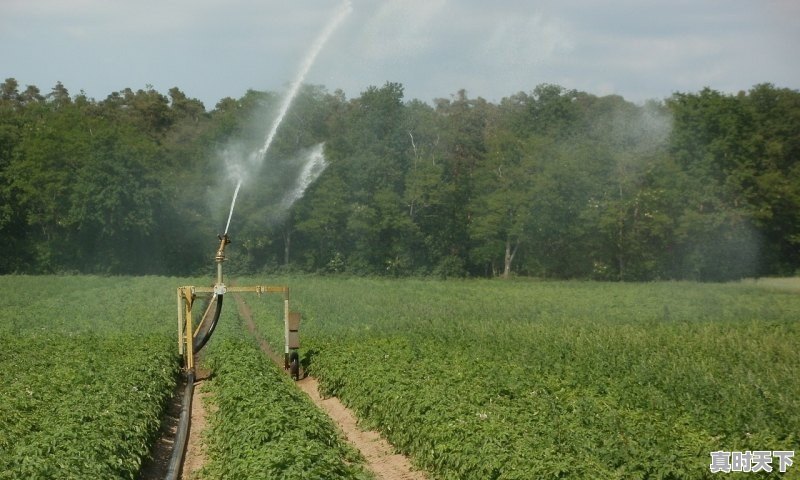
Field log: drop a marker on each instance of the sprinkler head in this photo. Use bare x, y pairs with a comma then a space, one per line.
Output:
223, 240
219, 287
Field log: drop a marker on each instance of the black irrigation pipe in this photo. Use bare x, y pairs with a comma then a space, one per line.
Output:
182, 435
200, 342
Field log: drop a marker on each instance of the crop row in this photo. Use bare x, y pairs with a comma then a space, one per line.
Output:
583, 380
262, 426
82, 406
88, 366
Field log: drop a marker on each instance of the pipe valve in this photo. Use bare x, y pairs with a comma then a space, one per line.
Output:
219, 288
223, 240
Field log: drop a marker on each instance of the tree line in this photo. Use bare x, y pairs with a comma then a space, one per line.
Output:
552, 183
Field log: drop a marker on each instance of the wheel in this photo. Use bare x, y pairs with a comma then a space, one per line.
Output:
294, 366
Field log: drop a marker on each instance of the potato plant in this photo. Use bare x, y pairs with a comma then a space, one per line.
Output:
262, 426
525, 379
88, 364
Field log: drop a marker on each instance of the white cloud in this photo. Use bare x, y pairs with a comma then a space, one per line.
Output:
524, 41
217, 48
652, 54
400, 28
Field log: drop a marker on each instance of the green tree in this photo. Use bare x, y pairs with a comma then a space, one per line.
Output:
12, 218
774, 188
367, 154
502, 216
322, 222
88, 188
464, 147
630, 144
427, 188
552, 183
711, 141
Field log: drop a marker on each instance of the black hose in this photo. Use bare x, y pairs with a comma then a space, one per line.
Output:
200, 342
182, 435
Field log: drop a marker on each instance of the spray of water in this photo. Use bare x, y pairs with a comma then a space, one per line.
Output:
233, 203
257, 158
344, 10
313, 165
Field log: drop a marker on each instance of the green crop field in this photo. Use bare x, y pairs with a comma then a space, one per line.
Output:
88, 365
490, 379
262, 425
471, 379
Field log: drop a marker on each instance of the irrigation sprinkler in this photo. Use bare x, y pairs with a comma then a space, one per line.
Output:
192, 338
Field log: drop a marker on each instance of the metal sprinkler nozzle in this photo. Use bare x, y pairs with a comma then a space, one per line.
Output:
219, 288
223, 240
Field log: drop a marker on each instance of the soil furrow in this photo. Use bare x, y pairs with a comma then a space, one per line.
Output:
379, 454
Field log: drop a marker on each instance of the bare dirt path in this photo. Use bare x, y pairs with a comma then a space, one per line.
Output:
379, 454
195, 456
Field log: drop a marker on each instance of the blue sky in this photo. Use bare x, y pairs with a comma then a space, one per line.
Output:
213, 49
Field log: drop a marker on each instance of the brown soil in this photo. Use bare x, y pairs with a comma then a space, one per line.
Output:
195, 456
156, 467
379, 454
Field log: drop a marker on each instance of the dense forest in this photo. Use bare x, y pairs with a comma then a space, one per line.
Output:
553, 183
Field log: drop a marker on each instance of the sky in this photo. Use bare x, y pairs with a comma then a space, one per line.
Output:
212, 49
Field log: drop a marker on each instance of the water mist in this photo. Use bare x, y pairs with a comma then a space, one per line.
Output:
313, 165
256, 159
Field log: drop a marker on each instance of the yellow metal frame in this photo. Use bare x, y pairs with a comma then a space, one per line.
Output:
186, 296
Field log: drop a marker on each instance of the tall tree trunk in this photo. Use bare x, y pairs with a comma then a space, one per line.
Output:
509, 257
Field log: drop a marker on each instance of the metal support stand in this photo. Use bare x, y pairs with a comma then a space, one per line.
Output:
188, 342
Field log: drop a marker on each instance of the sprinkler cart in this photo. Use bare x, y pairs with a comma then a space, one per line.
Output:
191, 339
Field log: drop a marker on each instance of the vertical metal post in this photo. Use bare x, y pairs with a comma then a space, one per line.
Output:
188, 334
286, 328
220, 256
180, 321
